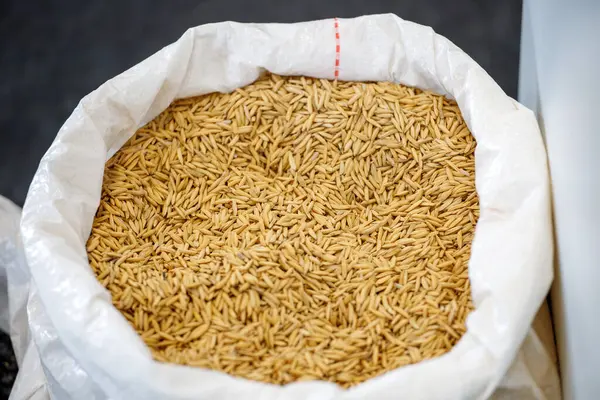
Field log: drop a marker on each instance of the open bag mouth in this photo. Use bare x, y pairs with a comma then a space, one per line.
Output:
510, 264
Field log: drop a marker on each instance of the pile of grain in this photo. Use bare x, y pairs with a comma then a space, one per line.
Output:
293, 229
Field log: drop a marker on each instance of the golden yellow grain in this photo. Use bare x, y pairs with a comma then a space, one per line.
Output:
294, 229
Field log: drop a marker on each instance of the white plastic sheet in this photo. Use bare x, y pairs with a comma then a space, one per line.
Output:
87, 348
15, 282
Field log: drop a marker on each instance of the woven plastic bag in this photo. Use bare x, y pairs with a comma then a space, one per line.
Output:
88, 350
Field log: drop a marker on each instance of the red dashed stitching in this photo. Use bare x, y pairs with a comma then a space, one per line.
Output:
336, 71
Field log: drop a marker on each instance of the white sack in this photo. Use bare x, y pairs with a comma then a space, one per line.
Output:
87, 348
10, 215
15, 283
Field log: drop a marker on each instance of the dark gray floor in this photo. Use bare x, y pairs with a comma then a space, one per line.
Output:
54, 52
